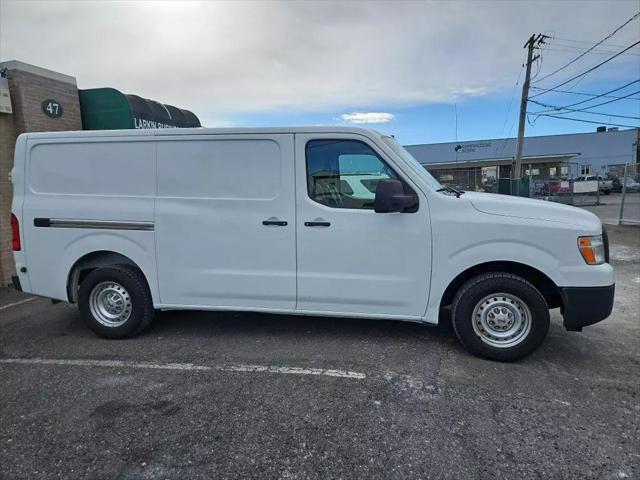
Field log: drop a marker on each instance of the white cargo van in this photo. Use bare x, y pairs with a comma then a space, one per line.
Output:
124, 223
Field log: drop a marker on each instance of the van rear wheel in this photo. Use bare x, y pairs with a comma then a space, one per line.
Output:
115, 301
500, 316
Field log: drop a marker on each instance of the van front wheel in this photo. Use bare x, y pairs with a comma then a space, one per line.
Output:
500, 316
115, 301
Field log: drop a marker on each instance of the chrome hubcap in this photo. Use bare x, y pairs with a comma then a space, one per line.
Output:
110, 304
501, 320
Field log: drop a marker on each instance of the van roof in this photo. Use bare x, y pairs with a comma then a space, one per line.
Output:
202, 131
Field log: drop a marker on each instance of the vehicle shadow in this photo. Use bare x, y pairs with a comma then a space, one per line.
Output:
250, 324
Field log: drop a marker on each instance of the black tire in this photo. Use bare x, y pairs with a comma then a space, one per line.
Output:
478, 288
136, 287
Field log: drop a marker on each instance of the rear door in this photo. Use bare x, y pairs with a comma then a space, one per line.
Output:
351, 259
224, 221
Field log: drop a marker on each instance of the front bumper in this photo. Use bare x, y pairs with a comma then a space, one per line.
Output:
584, 306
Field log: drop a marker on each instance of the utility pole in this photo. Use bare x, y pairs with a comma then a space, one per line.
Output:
533, 43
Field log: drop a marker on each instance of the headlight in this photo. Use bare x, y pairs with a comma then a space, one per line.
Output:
592, 249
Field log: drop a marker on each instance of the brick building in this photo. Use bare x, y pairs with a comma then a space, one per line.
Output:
31, 89
34, 99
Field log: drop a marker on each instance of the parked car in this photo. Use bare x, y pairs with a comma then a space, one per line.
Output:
605, 186
631, 184
125, 223
556, 187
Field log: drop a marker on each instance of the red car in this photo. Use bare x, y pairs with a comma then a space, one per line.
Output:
556, 187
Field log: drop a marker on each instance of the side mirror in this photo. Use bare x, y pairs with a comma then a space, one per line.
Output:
391, 197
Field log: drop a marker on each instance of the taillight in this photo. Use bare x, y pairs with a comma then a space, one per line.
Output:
15, 231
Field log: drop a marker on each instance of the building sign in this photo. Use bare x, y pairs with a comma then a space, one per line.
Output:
471, 147
52, 108
5, 96
144, 123
110, 109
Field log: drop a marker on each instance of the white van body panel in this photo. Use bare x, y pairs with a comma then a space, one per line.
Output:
85, 181
466, 238
188, 207
214, 192
365, 262
17, 176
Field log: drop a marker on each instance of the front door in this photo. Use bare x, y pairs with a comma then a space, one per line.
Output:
351, 259
224, 221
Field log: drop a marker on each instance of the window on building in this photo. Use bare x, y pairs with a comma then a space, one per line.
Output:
585, 169
489, 174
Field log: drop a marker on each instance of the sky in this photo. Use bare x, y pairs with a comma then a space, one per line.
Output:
407, 68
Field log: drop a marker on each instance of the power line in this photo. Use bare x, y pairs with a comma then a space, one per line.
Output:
585, 94
576, 110
610, 101
538, 67
597, 104
506, 118
586, 72
600, 42
605, 93
583, 48
587, 42
584, 121
567, 49
604, 46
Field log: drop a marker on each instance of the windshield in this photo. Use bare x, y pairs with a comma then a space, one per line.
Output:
413, 163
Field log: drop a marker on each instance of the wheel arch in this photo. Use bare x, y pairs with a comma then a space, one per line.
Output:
89, 262
538, 279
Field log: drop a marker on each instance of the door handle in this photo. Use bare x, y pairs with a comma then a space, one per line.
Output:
317, 224
277, 223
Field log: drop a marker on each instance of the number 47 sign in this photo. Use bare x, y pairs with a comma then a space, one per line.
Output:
52, 108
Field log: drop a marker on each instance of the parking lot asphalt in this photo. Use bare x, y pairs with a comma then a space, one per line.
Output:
609, 208
230, 395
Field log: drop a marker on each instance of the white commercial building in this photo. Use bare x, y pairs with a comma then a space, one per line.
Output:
475, 163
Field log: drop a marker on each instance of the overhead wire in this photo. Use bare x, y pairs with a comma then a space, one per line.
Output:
593, 47
589, 107
602, 95
584, 121
572, 92
506, 118
571, 110
565, 49
587, 42
586, 72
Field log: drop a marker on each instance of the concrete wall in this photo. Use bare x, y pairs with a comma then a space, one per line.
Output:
29, 87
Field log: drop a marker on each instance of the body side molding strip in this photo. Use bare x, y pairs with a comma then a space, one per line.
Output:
93, 224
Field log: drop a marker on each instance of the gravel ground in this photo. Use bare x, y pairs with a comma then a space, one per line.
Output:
226, 395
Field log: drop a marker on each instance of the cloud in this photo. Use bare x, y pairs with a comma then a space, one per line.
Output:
470, 92
367, 117
227, 59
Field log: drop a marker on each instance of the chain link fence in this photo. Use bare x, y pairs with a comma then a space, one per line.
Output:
628, 184
581, 191
563, 188
469, 179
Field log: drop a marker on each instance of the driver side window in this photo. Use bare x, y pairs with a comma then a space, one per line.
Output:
344, 173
